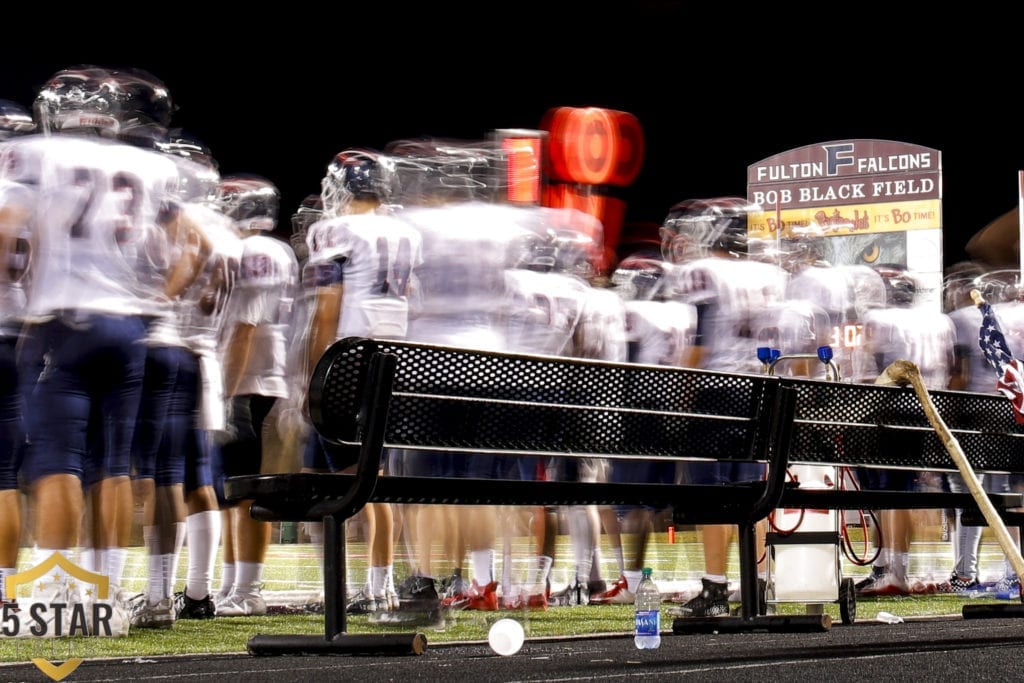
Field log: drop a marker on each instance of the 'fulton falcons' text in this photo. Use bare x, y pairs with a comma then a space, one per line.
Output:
922, 161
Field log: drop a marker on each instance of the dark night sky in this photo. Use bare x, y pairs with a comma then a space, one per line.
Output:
711, 100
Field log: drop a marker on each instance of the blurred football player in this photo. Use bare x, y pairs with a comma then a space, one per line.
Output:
543, 312
363, 263
927, 338
971, 372
101, 202
707, 239
659, 330
16, 207
461, 288
171, 455
257, 333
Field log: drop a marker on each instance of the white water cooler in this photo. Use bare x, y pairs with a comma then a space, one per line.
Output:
803, 546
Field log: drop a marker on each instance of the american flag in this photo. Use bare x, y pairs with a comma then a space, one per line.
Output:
1009, 370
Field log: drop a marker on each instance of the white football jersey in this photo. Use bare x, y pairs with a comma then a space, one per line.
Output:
729, 295
845, 293
543, 310
263, 296
97, 242
462, 284
374, 256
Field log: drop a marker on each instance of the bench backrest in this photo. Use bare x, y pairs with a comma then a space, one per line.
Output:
445, 398
871, 425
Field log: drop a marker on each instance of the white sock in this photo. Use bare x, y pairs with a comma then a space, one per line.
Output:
154, 563
4, 573
227, 580
88, 559
621, 559
483, 566
632, 579
248, 578
901, 564
579, 531
595, 565
114, 562
203, 532
378, 581
171, 570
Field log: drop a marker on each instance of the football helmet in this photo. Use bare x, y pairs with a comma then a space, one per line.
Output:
641, 276
251, 201
444, 170
354, 174
129, 104
696, 228
201, 178
999, 286
14, 120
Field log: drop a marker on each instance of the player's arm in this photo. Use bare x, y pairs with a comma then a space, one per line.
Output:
236, 356
195, 250
693, 356
323, 324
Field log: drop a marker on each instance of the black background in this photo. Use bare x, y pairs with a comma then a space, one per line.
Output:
715, 91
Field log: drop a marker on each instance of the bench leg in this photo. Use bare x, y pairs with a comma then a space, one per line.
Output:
335, 640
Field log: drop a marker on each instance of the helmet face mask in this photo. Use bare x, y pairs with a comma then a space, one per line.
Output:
250, 201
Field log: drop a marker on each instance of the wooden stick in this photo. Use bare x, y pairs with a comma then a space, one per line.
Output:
904, 372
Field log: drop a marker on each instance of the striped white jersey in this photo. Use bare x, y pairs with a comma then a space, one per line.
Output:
374, 257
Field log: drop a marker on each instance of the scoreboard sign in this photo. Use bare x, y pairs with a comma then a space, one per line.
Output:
868, 201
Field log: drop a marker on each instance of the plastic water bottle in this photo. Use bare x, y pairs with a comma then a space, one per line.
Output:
647, 603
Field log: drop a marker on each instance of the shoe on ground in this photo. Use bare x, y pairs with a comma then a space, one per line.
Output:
876, 573
153, 615
960, 586
1007, 588
618, 594
454, 586
190, 608
361, 603
886, 584
240, 605
483, 598
572, 595
713, 601
408, 617
418, 593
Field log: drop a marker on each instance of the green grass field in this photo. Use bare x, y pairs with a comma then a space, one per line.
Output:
292, 575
